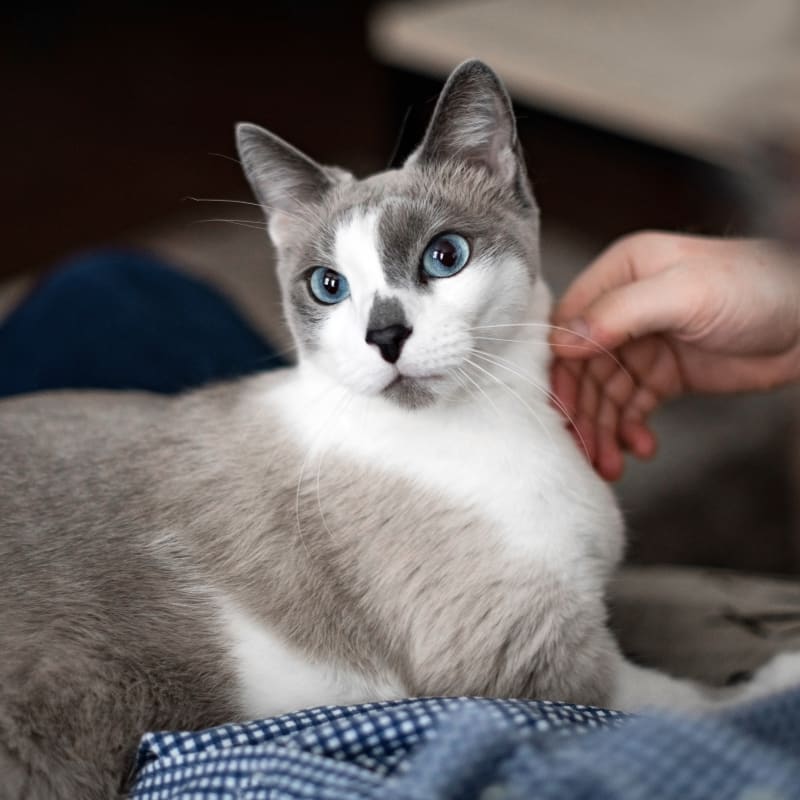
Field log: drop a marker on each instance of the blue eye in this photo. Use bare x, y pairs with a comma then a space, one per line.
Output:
445, 255
328, 286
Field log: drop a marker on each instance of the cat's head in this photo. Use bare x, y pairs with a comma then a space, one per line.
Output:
390, 282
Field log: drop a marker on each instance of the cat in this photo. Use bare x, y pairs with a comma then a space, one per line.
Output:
400, 514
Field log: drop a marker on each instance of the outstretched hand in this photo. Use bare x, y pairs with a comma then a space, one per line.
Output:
658, 315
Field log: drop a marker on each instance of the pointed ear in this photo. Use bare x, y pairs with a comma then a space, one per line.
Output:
283, 179
473, 122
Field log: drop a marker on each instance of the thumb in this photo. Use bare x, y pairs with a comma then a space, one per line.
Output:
657, 304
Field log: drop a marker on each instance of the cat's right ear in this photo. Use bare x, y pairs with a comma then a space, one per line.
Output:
284, 180
473, 123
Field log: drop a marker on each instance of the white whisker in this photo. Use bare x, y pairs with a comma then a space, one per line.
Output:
540, 342
549, 326
518, 397
481, 390
490, 358
224, 200
242, 223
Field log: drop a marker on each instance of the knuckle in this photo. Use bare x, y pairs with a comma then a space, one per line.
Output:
642, 241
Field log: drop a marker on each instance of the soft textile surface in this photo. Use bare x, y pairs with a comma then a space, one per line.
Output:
480, 748
333, 751
119, 319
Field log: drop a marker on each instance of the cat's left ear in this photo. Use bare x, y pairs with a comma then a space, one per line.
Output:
284, 180
474, 123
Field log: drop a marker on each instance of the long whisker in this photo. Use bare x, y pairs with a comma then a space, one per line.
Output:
226, 157
458, 376
505, 440
285, 352
510, 367
540, 342
518, 397
223, 200
549, 326
242, 223
481, 390
305, 212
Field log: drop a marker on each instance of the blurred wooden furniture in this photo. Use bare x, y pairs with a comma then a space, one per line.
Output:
680, 74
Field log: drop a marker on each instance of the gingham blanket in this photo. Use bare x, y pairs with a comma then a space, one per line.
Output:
481, 748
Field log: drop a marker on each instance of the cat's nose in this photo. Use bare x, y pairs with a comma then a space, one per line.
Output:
389, 340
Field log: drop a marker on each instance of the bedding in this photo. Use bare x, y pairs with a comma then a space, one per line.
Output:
443, 749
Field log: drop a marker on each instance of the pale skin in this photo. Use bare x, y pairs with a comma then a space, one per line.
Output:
658, 315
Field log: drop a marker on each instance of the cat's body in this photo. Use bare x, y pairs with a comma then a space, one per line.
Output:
399, 516
266, 560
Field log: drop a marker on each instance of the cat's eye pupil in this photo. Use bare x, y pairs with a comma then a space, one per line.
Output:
445, 256
330, 282
445, 252
327, 286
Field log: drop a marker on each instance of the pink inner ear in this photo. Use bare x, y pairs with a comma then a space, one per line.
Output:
279, 227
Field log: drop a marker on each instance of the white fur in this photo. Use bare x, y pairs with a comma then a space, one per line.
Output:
500, 446
441, 318
505, 453
638, 687
274, 678
497, 446
344, 352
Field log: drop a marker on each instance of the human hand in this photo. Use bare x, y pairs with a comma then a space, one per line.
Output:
658, 315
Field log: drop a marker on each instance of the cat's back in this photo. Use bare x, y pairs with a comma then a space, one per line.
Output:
99, 614
58, 447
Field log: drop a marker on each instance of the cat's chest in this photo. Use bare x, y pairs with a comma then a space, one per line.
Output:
518, 471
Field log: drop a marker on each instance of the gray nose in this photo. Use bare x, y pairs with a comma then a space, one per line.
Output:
389, 340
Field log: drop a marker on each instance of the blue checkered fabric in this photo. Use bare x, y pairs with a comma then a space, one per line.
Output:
328, 752
459, 748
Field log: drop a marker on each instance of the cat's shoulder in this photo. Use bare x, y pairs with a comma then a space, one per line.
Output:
105, 407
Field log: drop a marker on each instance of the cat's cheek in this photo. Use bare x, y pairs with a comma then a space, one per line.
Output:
345, 356
365, 379
465, 296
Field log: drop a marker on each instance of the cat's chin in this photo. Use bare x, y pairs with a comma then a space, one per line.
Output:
411, 392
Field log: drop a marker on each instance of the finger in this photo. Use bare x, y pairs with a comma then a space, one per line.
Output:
628, 259
659, 304
638, 438
609, 450
586, 437
588, 397
619, 386
608, 416
580, 442
642, 404
564, 382
609, 462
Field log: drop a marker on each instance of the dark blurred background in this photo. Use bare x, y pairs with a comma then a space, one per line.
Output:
112, 111
633, 115
112, 114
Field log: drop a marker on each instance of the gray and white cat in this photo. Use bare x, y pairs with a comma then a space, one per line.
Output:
400, 514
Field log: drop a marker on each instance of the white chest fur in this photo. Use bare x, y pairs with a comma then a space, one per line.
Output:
505, 452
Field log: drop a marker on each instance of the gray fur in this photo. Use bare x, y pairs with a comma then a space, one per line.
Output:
123, 516
386, 311
414, 205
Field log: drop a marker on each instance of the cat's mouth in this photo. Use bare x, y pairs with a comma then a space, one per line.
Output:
412, 391
403, 378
